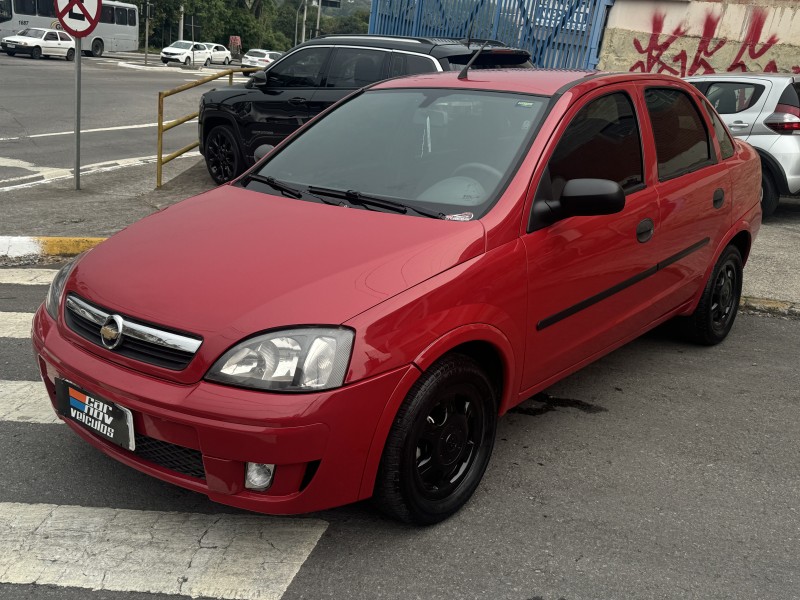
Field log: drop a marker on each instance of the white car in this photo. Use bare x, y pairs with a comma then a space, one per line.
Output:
219, 53
186, 53
38, 42
259, 58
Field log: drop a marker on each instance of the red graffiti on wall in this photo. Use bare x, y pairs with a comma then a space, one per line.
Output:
656, 51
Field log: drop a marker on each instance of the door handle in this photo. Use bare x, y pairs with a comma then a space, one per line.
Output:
739, 124
644, 230
296, 101
719, 198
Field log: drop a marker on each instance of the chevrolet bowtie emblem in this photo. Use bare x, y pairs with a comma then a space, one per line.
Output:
111, 331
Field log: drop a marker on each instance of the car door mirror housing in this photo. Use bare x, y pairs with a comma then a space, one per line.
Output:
579, 198
262, 151
259, 78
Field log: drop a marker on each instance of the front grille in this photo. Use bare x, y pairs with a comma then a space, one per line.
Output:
170, 456
131, 347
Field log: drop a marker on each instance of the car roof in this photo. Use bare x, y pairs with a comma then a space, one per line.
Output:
541, 82
437, 46
742, 75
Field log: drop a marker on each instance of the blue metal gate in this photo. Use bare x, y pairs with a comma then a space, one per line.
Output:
564, 34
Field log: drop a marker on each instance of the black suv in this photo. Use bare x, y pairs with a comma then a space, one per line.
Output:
236, 120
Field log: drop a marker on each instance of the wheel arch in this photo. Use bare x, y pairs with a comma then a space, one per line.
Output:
773, 167
485, 344
213, 118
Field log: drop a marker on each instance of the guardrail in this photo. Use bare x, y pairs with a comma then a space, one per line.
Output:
161, 160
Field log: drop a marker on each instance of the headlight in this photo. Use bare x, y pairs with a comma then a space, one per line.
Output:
56, 290
291, 360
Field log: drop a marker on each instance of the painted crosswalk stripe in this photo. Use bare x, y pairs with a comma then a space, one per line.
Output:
218, 556
27, 276
25, 402
15, 325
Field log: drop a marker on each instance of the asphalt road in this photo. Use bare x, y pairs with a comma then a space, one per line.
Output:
119, 112
664, 470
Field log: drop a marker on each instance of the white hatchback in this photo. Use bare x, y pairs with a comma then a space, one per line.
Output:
38, 42
259, 58
186, 53
219, 54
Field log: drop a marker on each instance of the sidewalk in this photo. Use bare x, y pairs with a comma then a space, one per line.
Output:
111, 201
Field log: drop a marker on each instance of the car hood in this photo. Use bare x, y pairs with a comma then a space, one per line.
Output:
231, 262
21, 38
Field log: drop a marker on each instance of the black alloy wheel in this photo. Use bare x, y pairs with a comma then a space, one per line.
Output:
440, 444
222, 155
70, 55
716, 312
36, 53
97, 47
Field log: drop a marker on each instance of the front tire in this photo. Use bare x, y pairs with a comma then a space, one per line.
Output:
769, 194
719, 305
208, 62
187, 61
440, 443
223, 160
10, 52
70, 55
36, 53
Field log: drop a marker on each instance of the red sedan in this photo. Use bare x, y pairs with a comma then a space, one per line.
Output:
350, 317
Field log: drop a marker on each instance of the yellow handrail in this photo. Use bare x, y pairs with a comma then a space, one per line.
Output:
161, 160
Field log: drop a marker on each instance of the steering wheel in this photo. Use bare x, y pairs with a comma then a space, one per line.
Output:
482, 169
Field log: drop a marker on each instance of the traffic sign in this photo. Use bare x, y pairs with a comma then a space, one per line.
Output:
78, 17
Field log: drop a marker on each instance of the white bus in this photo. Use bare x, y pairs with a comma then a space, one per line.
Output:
118, 29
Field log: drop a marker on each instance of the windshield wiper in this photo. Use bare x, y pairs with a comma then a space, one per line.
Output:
275, 184
356, 197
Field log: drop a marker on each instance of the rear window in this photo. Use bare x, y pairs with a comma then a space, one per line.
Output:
255, 54
791, 96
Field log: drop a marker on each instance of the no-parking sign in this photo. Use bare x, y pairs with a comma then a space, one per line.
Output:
78, 17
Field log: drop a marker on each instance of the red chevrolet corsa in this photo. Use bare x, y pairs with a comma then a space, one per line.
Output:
349, 318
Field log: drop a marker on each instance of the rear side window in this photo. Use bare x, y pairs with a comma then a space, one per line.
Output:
732, 97
682, 144
410, 64
301, 69
122, 16
107, 14
601, 142
46, 8
132, 17
64, 37
356, 67
723, 137
25, 7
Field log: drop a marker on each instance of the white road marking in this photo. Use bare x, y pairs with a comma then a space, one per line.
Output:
26, 276
72, 131
218, 556
15, 325
26, 402
102, 167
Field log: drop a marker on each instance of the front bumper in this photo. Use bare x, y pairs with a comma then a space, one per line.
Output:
17, 49
319, 442
176, 59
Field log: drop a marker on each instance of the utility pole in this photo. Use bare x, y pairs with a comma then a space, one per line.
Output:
147, 6
303, 29
180, 25
319, 12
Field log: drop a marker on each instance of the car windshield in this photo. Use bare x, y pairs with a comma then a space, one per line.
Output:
32, 33
442, 150
181, 45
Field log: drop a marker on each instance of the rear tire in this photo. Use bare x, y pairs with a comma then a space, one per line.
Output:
226, 62
719, 305
223, 160
70, 55
769, 194
440, 443
97, 48
36, 53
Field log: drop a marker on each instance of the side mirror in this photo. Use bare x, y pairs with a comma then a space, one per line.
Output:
579, 198
262, 151
258, 78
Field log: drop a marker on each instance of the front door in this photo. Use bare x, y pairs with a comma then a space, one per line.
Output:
350, 69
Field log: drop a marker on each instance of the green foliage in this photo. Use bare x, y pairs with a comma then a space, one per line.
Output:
259, 23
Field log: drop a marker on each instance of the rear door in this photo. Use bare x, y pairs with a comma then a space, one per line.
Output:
739, 103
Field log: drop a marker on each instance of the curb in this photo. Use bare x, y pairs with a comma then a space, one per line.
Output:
23, 246
772, 307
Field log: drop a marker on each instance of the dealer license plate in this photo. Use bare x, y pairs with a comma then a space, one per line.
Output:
103, 418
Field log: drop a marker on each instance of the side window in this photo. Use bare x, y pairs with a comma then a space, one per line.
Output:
51, 36
732, 97
132, 17
680, 134
46, 8
723, 137
301, 69
356, 67
107, 14
64, 37
25, 7
122, 16
410, 64
601, 142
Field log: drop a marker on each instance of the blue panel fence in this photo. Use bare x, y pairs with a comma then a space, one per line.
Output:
563, 34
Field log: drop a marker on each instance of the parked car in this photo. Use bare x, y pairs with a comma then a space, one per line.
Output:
219, 54
350, 317
186, 53
764, 109
37, 42
260, 58
310, 78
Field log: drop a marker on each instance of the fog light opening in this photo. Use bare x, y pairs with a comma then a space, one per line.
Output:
258, 476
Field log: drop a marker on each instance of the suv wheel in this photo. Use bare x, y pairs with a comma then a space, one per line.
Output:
222, 155
769, 194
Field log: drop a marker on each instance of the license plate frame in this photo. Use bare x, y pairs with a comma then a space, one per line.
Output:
107, 420
11, 45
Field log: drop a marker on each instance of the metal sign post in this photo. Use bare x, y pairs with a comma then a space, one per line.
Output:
79, 18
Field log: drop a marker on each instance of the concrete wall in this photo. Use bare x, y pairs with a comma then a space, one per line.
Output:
692, 37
